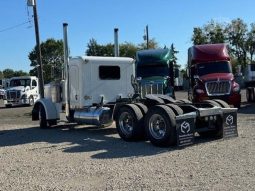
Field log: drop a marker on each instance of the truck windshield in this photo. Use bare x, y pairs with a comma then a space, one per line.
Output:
152, 70
20, 82
213, 67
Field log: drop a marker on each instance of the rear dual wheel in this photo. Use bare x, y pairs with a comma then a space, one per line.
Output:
134, 121
160, 126
129, 123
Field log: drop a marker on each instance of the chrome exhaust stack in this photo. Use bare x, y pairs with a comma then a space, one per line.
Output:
66, 70
116, 43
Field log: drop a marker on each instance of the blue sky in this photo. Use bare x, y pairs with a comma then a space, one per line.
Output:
169, 22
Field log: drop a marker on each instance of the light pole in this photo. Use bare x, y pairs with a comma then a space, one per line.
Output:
38, 48
146, 36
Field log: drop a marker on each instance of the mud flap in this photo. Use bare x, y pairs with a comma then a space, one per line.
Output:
229, 123
185, 129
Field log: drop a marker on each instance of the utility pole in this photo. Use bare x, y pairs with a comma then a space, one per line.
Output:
147, 36
38, 48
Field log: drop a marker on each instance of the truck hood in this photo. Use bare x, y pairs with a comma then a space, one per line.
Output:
217, 76
155, 79
21, 88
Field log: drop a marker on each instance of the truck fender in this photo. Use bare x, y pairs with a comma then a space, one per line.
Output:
50, 109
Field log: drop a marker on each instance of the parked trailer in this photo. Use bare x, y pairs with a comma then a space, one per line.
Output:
249, 82
100, 90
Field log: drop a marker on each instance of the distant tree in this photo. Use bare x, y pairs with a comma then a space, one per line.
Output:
93, 48
213, 32
8, 73
153, 44
52, 59
128, 49
1, 75
250, 43
20, 73
199, 36
237, 37
174, 52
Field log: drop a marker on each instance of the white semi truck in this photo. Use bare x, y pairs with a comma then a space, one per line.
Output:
249, 82
22, 90
100, 90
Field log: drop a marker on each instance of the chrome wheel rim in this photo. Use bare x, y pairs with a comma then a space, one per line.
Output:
157, 126
126, 123
31, 101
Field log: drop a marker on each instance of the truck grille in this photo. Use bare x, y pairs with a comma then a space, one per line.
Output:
13, 94
218, 87
151, 88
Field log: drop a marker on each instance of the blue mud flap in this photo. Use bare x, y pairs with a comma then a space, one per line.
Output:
185, 129
229, 116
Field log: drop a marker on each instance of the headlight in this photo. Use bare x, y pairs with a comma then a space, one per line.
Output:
200, 91
236, 89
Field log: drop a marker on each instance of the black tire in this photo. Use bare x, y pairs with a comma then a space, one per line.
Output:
176, 109
212, 102
166, 98
31, 101
42, 117
248, 95
142, 107
252, 95
160, 126
8, 105
52, 122
129, 123
222, 103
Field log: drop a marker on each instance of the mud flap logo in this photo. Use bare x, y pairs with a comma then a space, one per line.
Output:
230, 125
229, 120
185, 132
185, 127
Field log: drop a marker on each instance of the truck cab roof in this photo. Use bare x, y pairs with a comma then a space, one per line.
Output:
154, 56
23, 77
208, 52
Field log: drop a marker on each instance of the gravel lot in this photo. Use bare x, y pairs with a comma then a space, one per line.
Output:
88, 158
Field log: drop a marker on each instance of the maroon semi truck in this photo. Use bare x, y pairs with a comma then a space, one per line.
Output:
210, 74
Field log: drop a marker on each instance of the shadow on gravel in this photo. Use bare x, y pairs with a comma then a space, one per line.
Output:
104, 141
17, 106
247, 108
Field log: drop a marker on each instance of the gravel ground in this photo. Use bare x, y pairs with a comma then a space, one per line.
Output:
88, 158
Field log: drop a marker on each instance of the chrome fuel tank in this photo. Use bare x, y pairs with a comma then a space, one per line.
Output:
99, 116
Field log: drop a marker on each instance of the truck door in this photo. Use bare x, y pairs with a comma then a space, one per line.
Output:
34, 89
